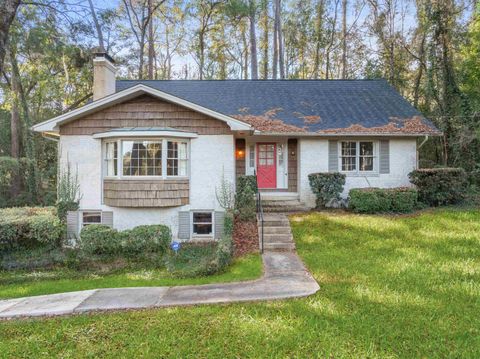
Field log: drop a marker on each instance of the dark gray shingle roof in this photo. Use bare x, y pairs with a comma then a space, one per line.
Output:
332, 104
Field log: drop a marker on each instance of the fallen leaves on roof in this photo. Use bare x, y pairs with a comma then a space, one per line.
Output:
414, 125
268, 122
308, 119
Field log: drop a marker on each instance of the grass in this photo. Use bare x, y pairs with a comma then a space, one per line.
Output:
391, 287
15, 284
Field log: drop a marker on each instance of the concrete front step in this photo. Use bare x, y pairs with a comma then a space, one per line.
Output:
272, 238
279, 246
279, 196
282, 209
277, 230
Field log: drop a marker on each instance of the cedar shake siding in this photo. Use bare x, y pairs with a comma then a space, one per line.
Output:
146, 111
239, 161
292, 165
146, 193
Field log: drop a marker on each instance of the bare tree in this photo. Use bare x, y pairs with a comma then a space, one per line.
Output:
101, 43
139, 15
253, 40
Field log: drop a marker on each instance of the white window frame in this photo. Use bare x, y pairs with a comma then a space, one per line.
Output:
82, 223
193, 234
164, 141
357, 157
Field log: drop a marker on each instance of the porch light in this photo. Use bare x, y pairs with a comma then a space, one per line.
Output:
240, 154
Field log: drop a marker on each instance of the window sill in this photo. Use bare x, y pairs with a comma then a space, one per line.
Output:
361, 174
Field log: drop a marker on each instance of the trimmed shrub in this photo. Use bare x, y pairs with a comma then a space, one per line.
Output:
245, 205
326, 186
440, 186
99, 239
145, 239
136, 242
28, 227
383, 200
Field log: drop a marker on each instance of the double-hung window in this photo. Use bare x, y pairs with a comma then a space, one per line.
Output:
111, 158
146, 158
177, 158
357, 156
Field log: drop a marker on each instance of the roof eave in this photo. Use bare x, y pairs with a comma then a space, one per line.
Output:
347, 134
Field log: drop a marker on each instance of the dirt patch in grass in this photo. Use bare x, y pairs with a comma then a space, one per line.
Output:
245, 237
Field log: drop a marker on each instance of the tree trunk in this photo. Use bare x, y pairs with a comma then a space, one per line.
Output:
32, 179
275, 43
8, 9
418, 77
101, 44
344, 39
281, 54
151, 43
202, 55
253, 43
318, 38
265, 44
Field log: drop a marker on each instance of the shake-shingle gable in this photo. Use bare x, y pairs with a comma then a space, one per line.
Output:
315, 106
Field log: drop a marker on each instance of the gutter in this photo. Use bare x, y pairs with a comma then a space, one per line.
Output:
344, 134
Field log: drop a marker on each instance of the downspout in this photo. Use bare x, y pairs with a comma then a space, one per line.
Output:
420, 146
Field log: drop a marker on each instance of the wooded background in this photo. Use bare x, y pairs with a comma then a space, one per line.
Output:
429, 50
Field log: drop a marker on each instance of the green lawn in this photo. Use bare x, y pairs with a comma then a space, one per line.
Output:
22, 283
391, 287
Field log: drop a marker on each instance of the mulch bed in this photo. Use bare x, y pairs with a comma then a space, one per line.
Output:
245, 237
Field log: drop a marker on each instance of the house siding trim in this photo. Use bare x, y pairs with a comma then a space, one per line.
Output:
146, 192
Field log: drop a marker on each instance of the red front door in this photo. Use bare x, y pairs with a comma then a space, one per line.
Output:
267, 165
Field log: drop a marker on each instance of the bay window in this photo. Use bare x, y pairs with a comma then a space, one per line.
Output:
357, 156
146, 158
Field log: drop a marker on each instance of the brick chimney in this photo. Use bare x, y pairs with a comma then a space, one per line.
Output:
103, 75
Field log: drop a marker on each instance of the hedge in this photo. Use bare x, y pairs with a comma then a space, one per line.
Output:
139, 241
440, 186
326, 186
28, 227
383, 200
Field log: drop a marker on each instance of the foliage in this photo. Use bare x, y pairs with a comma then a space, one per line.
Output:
145, 240
140, 241
13, 187
99, 239
202, 259
383, 200
225, 194
26, 227
327, 187
245, 205
247, 181
68, 192
440, 186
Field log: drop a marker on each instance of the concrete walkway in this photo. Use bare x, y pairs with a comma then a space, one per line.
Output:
285, 276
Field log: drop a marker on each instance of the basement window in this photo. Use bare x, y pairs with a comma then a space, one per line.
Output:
202, 223
91, 218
